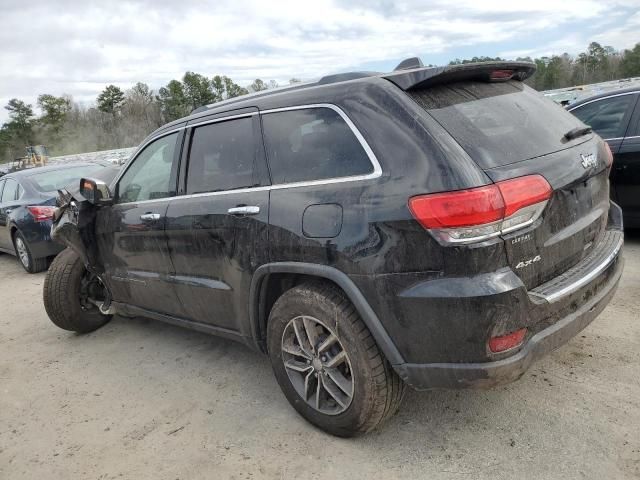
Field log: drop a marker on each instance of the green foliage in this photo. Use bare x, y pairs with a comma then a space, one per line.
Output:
457, 61
630, 64
173, 100
54, 110
197, 90
110, 100
258, 85
124, 119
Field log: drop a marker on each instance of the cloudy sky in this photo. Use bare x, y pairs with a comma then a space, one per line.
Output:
77, 47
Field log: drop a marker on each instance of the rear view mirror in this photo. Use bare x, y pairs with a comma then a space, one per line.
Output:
95, 191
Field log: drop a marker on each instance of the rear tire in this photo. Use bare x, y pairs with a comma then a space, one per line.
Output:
62, 291
25, 257
366, 390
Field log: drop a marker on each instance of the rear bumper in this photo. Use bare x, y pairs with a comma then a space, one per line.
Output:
553, 313
488, 374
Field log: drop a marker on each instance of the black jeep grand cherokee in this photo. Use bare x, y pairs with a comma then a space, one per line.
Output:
431, 227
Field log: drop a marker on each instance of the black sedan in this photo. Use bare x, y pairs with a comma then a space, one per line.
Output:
615, 116
27, 203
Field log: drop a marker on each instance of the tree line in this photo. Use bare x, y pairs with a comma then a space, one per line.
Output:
123, 118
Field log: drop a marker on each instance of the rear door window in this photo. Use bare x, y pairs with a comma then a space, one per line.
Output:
312, 144
222, 157
10, 191
607, 116
499, 123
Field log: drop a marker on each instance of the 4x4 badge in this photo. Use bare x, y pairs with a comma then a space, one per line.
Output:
588, 160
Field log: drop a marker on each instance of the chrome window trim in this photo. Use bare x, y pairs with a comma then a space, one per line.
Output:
602, 98
622, 138
377, 169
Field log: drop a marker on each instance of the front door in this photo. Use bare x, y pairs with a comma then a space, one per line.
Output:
217, 232
131, 233
625, 176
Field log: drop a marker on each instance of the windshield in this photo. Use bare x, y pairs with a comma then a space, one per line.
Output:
56, 179
499, 123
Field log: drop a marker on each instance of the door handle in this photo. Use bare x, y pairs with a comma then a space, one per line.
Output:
246, 210
150, 217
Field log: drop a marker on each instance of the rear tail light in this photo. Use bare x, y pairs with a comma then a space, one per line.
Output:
41, 213
477, 214
609, 155
507, 342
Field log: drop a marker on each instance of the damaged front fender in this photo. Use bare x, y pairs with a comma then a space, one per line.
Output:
74, 226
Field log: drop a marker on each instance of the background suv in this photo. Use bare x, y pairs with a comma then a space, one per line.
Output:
431, 227
615, 116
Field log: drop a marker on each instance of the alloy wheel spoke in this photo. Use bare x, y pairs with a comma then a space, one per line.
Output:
337, 360
302, 338
340, 380
307, 385
330, 340
311, 331
318, 388
335, 392
295, 350
297, 366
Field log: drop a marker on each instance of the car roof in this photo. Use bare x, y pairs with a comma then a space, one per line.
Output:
402, 77
27, 172
608, 93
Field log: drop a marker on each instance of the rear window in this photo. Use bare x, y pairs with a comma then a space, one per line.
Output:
312, 144
222, 157
54, 180
499, 123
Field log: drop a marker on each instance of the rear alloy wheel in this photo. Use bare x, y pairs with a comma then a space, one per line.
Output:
317, 365
327, 362
30, 264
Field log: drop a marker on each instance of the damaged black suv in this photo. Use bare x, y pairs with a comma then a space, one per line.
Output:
429, 227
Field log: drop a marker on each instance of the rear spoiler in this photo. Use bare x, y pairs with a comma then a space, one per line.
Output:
482, 71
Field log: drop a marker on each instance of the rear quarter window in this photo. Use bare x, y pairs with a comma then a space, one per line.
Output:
310, 144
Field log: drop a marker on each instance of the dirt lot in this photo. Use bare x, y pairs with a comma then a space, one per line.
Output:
139, 399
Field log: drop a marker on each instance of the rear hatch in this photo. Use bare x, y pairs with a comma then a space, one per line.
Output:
510, 131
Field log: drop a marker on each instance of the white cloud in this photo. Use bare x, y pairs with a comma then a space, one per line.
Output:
78, 47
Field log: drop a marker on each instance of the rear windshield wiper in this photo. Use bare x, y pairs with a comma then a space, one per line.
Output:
577, 132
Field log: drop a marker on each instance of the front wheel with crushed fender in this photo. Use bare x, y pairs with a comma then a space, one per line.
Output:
327, 362
71, 294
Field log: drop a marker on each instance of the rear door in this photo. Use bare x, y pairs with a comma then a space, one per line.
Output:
131, 233
217, 230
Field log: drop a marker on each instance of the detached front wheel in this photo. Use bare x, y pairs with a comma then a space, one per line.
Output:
72, 294
327, 362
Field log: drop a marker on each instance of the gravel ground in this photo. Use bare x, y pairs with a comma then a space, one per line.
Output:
139, 399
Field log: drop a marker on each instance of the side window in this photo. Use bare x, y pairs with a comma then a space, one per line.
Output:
9, 191
606, 116
312, 144
149, 176
222, 157
1, 185
20, 192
